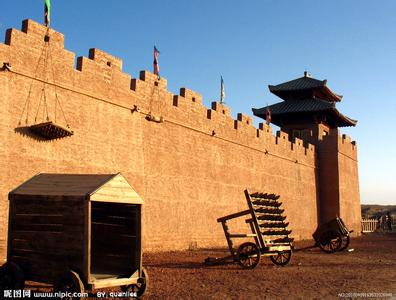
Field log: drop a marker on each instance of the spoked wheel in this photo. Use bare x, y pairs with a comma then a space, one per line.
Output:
70, 283
330, 241
345, 242
282, 258
248, 255
11, 277
140, 288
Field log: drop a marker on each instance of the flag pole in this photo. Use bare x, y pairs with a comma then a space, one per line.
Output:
268, 115
155, 63
222, 92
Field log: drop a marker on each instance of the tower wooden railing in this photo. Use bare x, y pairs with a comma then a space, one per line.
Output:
369, 225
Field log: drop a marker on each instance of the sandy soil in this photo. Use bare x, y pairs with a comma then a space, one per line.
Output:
368, 271
370, 268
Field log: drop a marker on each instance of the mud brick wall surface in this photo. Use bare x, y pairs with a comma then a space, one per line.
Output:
191, 167
339, 180
349, 182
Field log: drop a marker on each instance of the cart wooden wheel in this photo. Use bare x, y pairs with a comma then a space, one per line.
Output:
345, 242
70, 283
282, 258
330, 241
11, 277
139, 288
248, 255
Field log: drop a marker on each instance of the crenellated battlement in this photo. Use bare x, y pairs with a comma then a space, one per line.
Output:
191, 95
105, 59
221, 108
343, 142
244, 118
188, 98
281, 136
100, 75
39, 32
347, 146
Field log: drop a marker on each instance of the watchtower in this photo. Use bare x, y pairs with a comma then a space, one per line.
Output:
308, 111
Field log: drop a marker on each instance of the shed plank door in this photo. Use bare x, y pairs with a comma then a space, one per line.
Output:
114, 239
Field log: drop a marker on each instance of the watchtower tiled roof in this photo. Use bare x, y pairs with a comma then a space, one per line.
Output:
303, 106
304, 86
304, 96
302, 83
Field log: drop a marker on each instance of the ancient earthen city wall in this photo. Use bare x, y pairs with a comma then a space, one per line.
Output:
339, 180
191, 168
349, 182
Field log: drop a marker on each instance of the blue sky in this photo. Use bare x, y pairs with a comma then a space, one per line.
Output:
252, 44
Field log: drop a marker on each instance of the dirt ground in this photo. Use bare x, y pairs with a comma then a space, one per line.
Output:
370, 268
369, 271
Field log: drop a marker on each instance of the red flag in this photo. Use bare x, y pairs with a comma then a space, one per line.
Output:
268, 116
156, 66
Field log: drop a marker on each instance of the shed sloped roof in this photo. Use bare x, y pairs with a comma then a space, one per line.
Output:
99, 187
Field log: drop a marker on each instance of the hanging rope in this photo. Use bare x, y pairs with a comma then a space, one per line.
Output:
46, 57
150, 116
27, 101
42, 94
152, 98
57, 101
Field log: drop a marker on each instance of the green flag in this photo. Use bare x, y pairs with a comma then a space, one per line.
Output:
47, 12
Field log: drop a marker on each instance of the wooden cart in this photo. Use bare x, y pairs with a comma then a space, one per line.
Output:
77, 232
268, 229
332, 236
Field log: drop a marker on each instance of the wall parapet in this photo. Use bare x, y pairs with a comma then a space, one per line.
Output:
105, 59
148, 91
345, 145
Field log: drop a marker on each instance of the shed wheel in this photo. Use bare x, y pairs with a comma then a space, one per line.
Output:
248, 255
345, 242
70, 283
11, 277
282, 258
139, 288
330, 241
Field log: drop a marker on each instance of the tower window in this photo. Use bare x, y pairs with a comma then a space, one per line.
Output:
304, 134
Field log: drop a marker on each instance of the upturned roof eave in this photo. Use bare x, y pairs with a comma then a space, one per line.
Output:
340, 119
336, 97
301, 84
281, 92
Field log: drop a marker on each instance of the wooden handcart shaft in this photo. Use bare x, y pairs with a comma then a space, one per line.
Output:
233, 216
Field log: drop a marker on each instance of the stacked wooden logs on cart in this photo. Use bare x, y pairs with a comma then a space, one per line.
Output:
270, 219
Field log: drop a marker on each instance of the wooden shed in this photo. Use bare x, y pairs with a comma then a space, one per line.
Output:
89, 225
